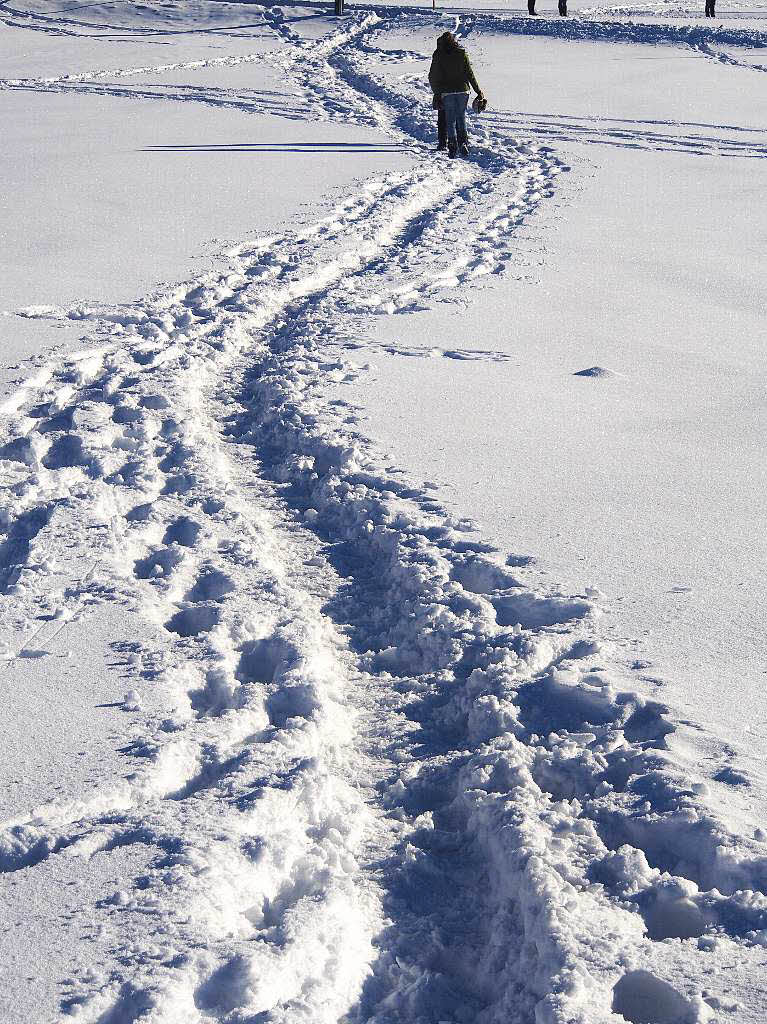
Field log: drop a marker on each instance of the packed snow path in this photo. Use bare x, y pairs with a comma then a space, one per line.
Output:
375, 774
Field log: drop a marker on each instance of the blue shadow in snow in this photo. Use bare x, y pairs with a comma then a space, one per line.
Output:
282, 147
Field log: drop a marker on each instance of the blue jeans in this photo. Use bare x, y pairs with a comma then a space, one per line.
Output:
455, 116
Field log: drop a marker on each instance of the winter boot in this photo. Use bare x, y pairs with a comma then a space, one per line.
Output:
452, 150
463, 149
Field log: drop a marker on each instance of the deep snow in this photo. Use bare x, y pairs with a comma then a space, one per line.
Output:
647, 481
320, 751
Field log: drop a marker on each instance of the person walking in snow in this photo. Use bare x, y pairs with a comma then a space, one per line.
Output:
450, 76
710, 9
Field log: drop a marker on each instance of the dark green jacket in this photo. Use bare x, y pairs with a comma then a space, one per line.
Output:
451, 71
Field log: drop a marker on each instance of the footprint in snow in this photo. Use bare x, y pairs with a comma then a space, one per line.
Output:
261, 660
191, 622
20, 449
730, 777
183, 531
159, 564
62, 421
154, 402
139, 513
126, 415
68, 452
211, 585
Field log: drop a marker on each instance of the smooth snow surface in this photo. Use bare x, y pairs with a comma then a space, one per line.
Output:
285, 738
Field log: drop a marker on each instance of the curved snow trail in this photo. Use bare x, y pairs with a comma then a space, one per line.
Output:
393, 782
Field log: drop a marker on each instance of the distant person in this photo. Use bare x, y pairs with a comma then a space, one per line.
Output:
710, 8
450, 76
563, 8
531, 7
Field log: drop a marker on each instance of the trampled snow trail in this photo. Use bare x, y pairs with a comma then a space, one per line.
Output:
392, 780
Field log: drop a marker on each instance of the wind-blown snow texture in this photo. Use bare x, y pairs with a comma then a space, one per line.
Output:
383, 778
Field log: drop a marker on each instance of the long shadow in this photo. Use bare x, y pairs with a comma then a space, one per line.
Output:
282, 147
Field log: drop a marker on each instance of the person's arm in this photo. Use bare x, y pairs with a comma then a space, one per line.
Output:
472, 79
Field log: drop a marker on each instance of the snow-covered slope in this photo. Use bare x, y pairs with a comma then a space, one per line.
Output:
359, 765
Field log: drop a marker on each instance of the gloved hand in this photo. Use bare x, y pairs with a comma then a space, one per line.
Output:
436, 103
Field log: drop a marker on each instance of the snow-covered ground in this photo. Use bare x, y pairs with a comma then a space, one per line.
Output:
362, 661
648, 263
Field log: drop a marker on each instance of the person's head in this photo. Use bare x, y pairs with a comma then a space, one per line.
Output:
447, 41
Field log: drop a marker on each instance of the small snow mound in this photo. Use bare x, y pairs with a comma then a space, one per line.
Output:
595, 371
670, 912
675, 920
132, 701
642, 998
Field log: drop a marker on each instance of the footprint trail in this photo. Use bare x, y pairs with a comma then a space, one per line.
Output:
392, 779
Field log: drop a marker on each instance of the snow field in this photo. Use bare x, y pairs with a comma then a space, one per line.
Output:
392, 780
224, 664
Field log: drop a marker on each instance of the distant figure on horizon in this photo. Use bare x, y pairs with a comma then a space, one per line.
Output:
450, 76
710, 8
562, 5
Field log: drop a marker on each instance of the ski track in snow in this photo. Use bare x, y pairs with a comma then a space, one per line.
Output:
394, 782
